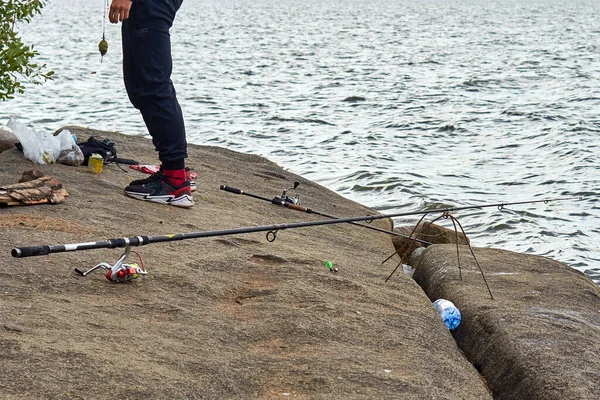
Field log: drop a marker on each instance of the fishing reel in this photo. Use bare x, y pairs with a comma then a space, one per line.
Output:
285, 198
119, 272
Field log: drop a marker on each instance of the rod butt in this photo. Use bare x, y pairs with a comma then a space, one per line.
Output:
20, 252
231, 189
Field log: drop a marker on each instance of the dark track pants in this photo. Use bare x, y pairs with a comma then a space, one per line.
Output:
147, 67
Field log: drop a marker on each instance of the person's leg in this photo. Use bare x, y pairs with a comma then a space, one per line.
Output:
147, 67
128, 28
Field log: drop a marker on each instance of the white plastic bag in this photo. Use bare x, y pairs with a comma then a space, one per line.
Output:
70, 153
38, 146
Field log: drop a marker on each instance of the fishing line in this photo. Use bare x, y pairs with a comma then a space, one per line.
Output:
103, 45
255, 248
293, 202
330, 264
246, 247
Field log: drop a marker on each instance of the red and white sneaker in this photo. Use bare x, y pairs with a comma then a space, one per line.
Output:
158, 189
190, 174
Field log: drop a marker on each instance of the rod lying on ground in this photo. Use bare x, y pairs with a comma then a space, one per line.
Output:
280, 201
271, 229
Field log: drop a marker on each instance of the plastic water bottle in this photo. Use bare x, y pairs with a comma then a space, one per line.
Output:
449, 313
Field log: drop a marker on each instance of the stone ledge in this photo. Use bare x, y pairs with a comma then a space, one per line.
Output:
539, 338
225, 318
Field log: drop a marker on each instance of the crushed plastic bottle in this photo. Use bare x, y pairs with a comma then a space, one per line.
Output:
449, 313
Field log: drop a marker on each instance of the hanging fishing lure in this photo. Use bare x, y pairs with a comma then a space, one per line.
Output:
103, 45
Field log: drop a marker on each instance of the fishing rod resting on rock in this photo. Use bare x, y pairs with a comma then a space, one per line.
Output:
131, 271
29, 251
293, 203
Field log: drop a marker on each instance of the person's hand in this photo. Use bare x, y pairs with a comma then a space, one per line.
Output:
119, 10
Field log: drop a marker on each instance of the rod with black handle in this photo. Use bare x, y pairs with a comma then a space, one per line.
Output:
281, 202
144, 240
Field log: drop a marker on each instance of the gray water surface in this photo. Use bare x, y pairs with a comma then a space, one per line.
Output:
399, 105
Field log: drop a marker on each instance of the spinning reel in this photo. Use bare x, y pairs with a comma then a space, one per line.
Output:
119, 272
295, 200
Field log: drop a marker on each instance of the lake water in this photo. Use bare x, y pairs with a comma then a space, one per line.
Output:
399, 105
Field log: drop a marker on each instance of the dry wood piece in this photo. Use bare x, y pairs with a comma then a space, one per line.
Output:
44, 189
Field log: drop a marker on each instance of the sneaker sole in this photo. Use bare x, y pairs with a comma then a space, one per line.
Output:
183, 201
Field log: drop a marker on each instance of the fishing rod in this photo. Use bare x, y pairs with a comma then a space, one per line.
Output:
271, 230
294, 204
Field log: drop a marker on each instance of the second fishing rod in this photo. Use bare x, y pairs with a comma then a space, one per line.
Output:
293, 202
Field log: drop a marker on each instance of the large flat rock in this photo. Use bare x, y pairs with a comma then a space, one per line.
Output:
232, 317
540, 336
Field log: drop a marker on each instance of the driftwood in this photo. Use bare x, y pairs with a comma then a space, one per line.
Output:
34, 188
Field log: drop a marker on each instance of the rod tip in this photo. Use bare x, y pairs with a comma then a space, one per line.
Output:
15, 253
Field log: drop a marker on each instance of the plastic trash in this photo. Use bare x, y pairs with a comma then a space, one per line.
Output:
38, 146
449, 313
44, 148
70, 153
408, 270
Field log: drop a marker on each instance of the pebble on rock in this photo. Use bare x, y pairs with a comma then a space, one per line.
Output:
13, 327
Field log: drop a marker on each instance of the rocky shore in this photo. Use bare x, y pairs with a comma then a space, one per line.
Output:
241, 317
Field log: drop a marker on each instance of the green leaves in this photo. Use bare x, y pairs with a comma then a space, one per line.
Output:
16, 58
